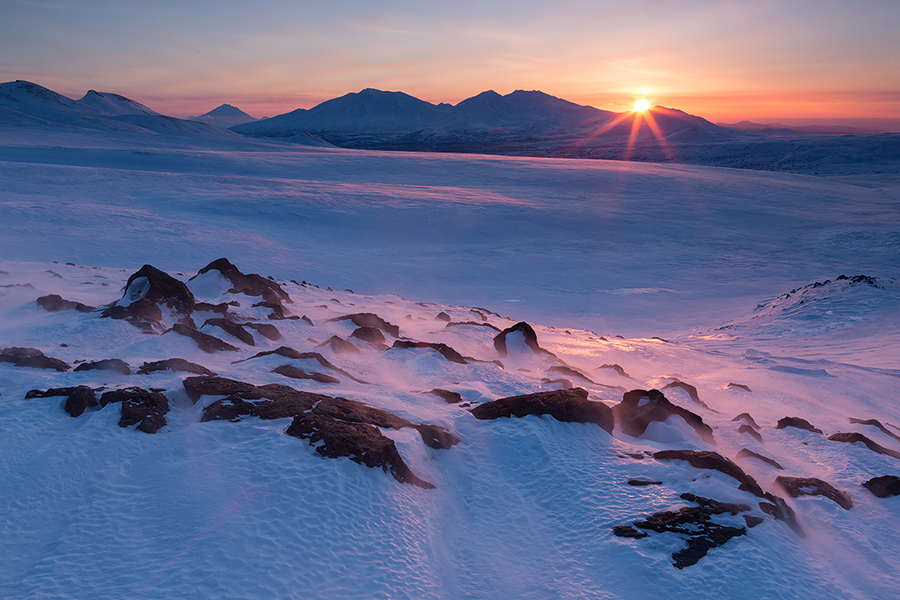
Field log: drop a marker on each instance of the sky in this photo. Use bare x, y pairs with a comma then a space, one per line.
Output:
725, 60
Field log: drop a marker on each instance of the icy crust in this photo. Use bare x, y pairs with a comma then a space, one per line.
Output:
527, 506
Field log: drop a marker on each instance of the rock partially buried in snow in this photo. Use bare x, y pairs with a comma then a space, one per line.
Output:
745, 453
568, 406
140, 407
695, 522
295, 373
858, 438
810, 486
110, 364
798, 423
206, 342
448, 396
442, 349
714, 461
78, 398
640, 408
369, 320
146, 292
883, 487
54, 303
177, 365
519, 336
249, 284
31, 357
344, 427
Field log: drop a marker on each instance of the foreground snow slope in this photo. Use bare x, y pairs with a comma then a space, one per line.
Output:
627, 248
716, 261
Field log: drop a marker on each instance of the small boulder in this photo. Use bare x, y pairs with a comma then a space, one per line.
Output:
370, 320
110, 364
295, 373
78, 398
140, 407
798, 423
568, 406
713, 461
54, 303
448, 396
528, 334
810, 486
639, 408
372, 335
442, 349
31, 357
339, 345
853, 438
206, 342
884, 486
176, 365
745, 453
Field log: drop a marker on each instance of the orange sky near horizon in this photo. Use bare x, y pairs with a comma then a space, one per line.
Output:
723, 60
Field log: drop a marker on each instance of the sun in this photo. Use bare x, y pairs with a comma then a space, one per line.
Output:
641, 105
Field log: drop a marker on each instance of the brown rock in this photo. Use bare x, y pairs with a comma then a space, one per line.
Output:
442, 349
110, 364
568, 406
231, 328
370, 320
177, 365
810, 486
54, 303
798, 423
745, 453
714, 461
295, 373
206, 342
639, 408
251, 284
882, 487
139, 407
448, 396
31, 357
853, 438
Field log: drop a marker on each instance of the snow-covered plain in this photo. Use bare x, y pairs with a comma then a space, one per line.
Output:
585, 251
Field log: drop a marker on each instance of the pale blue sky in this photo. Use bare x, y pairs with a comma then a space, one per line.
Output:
721, 59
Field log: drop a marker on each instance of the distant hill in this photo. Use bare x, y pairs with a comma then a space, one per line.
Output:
225, 116
27, 104
777, 129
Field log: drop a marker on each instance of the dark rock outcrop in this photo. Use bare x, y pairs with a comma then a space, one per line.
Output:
643, 482
295, 373
370, 320
448, 396
713, 461
639, 408
568, 406
695, 522
78, 398
810, 486
31, 357
177, 365
54, 303
442, 316
337, 426
627, 531
745, 453
339, 345
442, 349
798, 423
750, 431
882, 487
233, 329
853, 438
473, 324
372, 335
249, 284
747, 418
780, 510
617, 368
110, 364
739, 386
752, 521
139, 407
289, 352
206, 342
876, 423
530, 339
147, 290
270, 332
691, 391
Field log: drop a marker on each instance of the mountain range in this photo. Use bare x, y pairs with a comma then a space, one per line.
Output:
522, 123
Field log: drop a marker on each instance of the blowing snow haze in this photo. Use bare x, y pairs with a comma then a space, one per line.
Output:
276, 358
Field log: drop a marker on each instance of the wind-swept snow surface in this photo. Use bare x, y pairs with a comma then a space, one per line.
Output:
622, 381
